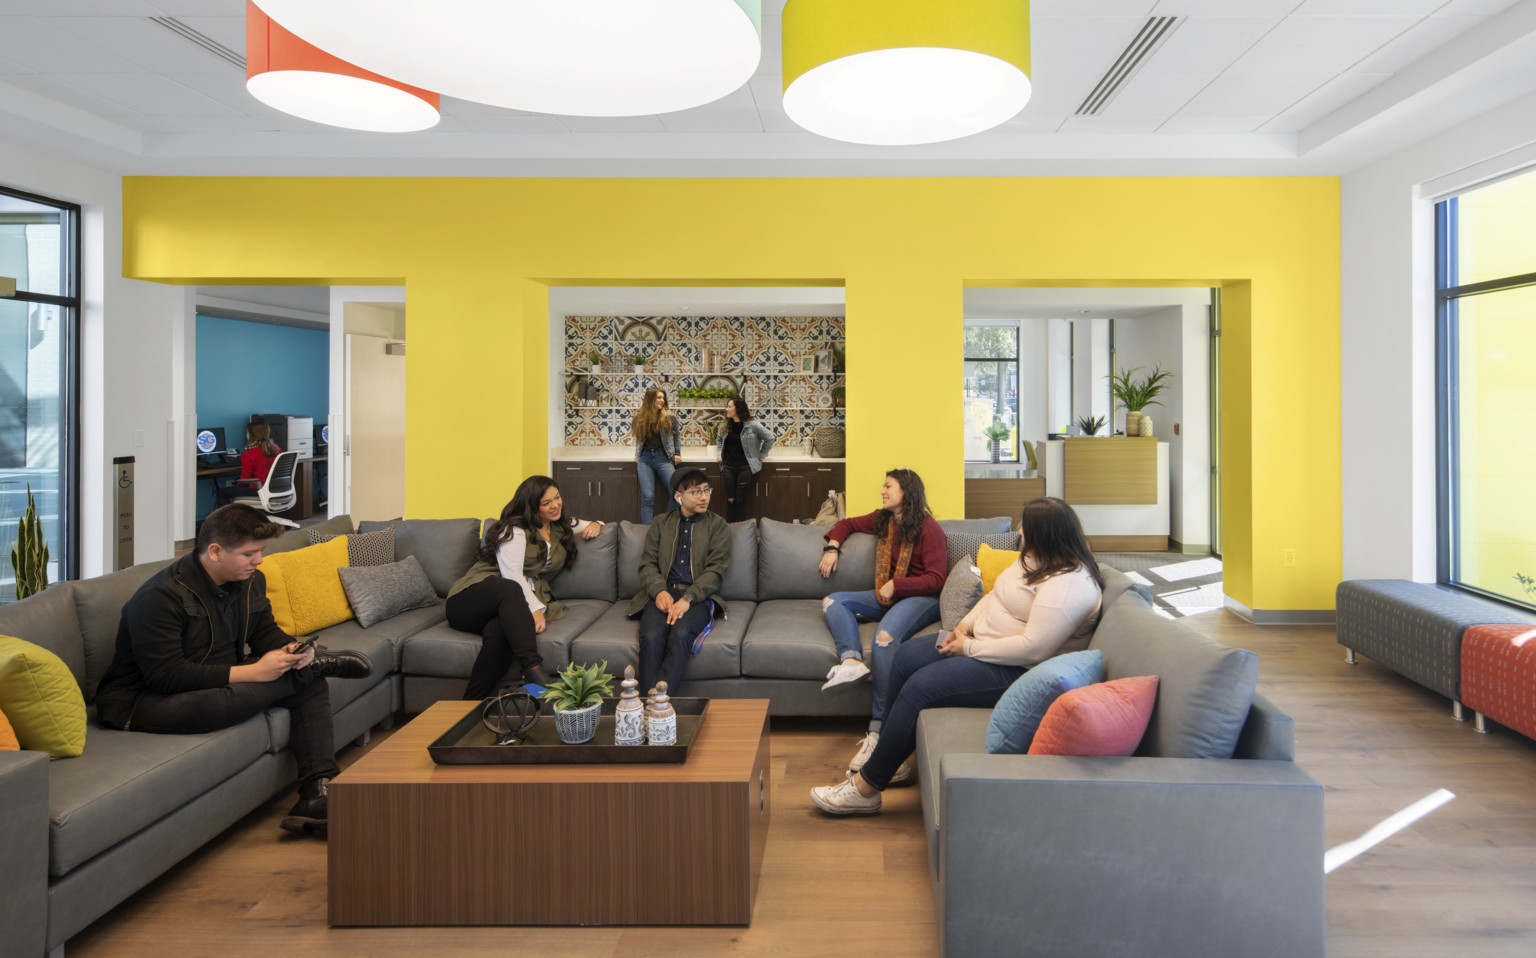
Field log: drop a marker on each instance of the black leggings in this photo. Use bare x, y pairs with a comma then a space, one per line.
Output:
736, 483
497, 610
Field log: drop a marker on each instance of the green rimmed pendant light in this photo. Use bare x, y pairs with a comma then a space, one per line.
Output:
901, 72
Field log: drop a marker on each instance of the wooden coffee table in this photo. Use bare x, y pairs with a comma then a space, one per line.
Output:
416, 843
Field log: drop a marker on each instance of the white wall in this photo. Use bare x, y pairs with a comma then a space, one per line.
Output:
136, 394
338, 473
1034, 379
1387, 335
1058, 366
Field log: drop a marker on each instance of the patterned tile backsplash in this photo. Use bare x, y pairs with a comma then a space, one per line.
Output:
770, 360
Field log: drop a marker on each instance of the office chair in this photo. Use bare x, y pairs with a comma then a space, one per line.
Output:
278, 493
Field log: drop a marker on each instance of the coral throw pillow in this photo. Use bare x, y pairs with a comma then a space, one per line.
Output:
41, 700
8, 741
992, 562
1105, 719
305, 589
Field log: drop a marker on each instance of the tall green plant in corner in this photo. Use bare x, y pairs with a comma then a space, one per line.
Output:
29, 556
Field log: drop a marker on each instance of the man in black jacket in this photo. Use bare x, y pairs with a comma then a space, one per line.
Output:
181, 662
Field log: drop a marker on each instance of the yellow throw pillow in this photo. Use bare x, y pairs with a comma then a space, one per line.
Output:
8, 741
304, 589
992, 562
41, 699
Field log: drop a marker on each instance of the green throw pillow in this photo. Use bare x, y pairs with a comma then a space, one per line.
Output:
39, 695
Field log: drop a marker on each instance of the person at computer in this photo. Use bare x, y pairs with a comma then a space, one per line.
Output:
198, 650
255, 463
658, 448
682, 564
1045, 604
504, 597
742, 445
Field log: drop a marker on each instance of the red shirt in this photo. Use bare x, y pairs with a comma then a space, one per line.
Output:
254, 465
926, 570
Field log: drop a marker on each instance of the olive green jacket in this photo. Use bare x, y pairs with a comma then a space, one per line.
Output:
711, 556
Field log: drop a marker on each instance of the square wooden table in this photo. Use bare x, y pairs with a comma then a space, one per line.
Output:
416, 843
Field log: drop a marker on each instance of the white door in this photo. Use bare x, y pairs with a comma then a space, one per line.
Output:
375, 443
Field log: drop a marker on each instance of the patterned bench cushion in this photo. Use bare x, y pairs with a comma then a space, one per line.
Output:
1498, 674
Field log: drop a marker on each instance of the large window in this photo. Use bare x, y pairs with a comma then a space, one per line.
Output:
1486, 278
38, 249
991, 390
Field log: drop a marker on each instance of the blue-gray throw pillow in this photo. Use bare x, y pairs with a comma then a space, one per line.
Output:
1018, 713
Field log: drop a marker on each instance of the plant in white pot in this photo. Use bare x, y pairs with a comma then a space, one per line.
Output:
1136, 394
639, 362
996, 434
596, 359
577, 698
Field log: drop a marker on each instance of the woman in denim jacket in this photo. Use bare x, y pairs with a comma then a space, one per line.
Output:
658, 448
741, 447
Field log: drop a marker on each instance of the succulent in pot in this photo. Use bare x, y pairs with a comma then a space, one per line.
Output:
577, 698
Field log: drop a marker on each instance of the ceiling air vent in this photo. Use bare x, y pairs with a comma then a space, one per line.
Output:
1136, 54
201, 39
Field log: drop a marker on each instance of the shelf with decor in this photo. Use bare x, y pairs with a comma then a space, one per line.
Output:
698, 372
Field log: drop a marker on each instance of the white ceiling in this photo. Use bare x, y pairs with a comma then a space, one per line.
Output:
1242, 86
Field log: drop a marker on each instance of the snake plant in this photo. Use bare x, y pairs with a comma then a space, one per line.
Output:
29, 556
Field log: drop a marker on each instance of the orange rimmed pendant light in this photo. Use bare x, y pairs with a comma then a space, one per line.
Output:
901, 72
289, 74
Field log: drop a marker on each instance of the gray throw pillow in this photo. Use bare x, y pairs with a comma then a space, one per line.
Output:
962, 590
964, 545
363, 549
377, 592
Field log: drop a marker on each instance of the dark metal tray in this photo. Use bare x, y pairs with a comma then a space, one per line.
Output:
469, 742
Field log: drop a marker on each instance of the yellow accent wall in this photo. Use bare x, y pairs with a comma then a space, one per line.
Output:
477, 257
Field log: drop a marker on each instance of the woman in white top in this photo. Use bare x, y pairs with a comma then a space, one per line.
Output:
504, 597
1047, 603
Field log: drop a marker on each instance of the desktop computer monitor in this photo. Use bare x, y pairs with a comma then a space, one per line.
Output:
210, 440
322, 437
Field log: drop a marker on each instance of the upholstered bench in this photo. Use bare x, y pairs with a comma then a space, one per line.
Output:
1498, 675
1414, 628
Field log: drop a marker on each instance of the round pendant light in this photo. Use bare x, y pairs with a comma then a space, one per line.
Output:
900, 72
574, 57
288, 74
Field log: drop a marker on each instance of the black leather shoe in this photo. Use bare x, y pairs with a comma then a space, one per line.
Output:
310, 814
341, 665
537, 676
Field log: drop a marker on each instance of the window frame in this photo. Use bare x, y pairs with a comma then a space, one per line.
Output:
68, 304
1005, 456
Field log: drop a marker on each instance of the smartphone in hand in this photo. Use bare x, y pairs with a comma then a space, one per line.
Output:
299, 648
943, 637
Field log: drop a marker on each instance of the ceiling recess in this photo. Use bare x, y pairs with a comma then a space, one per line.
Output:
201, 39
1152, 35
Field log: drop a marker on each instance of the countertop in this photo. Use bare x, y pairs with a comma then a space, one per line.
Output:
691, 454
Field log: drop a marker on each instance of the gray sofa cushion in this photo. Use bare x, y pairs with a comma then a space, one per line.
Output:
48, 619
595, 573
299, 538
447, 652
942, 732
380, 651
789, 639
395, 630
363, 548
379, 592
99, 608
631, 547
126, 781
1204, 689
740, 582
789, 557
444, 547
965, 545
1117, 583
616, 639
996, 524
962, 590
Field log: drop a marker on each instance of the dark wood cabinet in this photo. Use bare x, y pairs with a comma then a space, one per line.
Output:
609, 489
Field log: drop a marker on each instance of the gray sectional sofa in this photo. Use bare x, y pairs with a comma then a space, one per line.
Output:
80, 835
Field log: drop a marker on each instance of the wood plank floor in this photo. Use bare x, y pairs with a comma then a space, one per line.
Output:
1461, 882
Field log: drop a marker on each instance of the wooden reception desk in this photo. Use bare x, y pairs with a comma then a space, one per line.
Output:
1117, 485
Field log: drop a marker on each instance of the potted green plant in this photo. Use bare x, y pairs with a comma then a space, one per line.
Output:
1136, 394
712, 432
29, 556
639, 362
596, 359
997, 434
577, 698
1090, 425
839, 396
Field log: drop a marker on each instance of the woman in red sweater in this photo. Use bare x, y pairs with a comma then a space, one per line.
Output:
910, 556
255, 463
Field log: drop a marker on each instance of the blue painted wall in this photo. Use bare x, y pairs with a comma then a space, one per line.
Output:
243, 368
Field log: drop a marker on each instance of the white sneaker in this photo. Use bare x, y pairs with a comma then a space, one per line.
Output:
848, 670
903, 774
844, 799
866, 749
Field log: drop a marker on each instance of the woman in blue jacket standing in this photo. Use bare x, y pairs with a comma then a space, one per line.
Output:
658, 448
742, 445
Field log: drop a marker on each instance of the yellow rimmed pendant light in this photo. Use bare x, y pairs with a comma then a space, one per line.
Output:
900, 72
573, 57
288, 74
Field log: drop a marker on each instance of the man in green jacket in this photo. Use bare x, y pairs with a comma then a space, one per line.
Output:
686, 553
